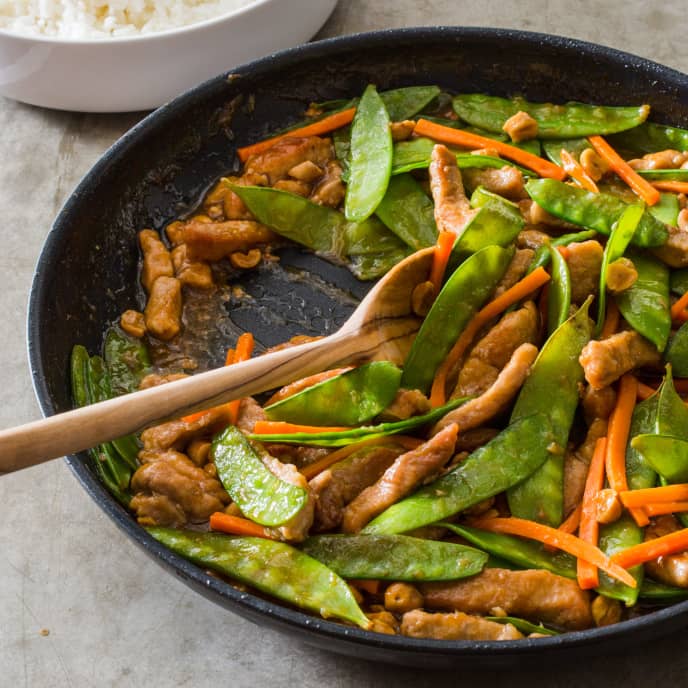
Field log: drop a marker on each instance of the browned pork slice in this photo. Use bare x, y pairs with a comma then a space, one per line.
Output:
163, 313
585, 262
176, 434
276, 162
406, 473
452, 209
193, 273
598, 403
156, 258
170, 490
406, 403
496, 399
456, 626
494, 350
516, 269
216, 240
506, 181
335, 487
250, 412
675, 251
156, 379
536, 595
673, 568
530, 237
330, 188
607, 360
298, 454
576, 465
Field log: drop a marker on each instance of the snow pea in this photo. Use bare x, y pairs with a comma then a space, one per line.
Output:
542, 254
677, 351
667, 454
408, 212
569, 120
404, 103
666, 210
259, 493
372, 249
553, 148
660, 592
461, 297
415, 155
621, 235
347, 399
678, 281
394, 557
343, 438
680, 175
341, 139
614, 537
127, 361
506, 460
552, 389
672, 414
525, 553
638, 473
597, 211
559, 292
650, 137
645, 304
274, 568
371, 157
522, 625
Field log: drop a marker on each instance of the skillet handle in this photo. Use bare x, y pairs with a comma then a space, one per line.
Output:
83, 428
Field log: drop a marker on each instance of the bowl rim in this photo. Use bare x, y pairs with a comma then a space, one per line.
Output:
213, 588
138, 38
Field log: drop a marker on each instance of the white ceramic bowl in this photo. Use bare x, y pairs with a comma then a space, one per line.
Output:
143, 72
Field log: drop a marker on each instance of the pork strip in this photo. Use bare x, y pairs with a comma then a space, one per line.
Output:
515, 271
506, 181
216, 240
607, 360
452, 209
176, 434
536, 595
456, 626
404, 475
286, 154
585, 262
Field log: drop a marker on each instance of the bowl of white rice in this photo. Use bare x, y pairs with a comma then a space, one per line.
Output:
127, 55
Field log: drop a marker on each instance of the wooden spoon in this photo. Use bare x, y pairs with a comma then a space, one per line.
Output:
382, 327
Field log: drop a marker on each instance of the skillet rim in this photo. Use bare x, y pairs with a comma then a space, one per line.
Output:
333, 636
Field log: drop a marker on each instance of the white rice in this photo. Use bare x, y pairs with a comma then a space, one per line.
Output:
78, 19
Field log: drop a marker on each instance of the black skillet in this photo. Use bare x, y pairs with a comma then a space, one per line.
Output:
87, 270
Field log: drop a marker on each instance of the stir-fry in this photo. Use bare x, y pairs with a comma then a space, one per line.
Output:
522, 470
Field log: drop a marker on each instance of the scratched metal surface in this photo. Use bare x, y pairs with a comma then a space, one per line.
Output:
113, 617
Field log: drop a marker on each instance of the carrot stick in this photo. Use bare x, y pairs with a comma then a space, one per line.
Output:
440, 258
573, 168
244, 349
611, 320
229, 357
304, 383
318, 467
563, 541
281, 427
322, 126
589, 530
665, 508
564, 252
519, 291
680, 306
234, 525
617, 439
671, 187
570, 525
639, 185
645, 391
652, 549
458, 137
655, 495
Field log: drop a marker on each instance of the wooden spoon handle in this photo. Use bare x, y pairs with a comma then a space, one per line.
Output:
73, 431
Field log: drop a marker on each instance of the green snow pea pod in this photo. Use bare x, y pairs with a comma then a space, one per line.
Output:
621, 235
597, 211
678, 281
553, 148
667, 454
542, 254
650, 138
506, 460
408, 212
371, 157
372, 249
341, 139
461, 297
127, 361
677, 351
552, 389
347, 399
78, 369
660, 592
554, 121
274, 568
666, 210
404, 103
613, 538
559, 293
522, 552
672, 414
645, 304
638, 473
343, 438
259, 493
680, 175
394, 557
526, 627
